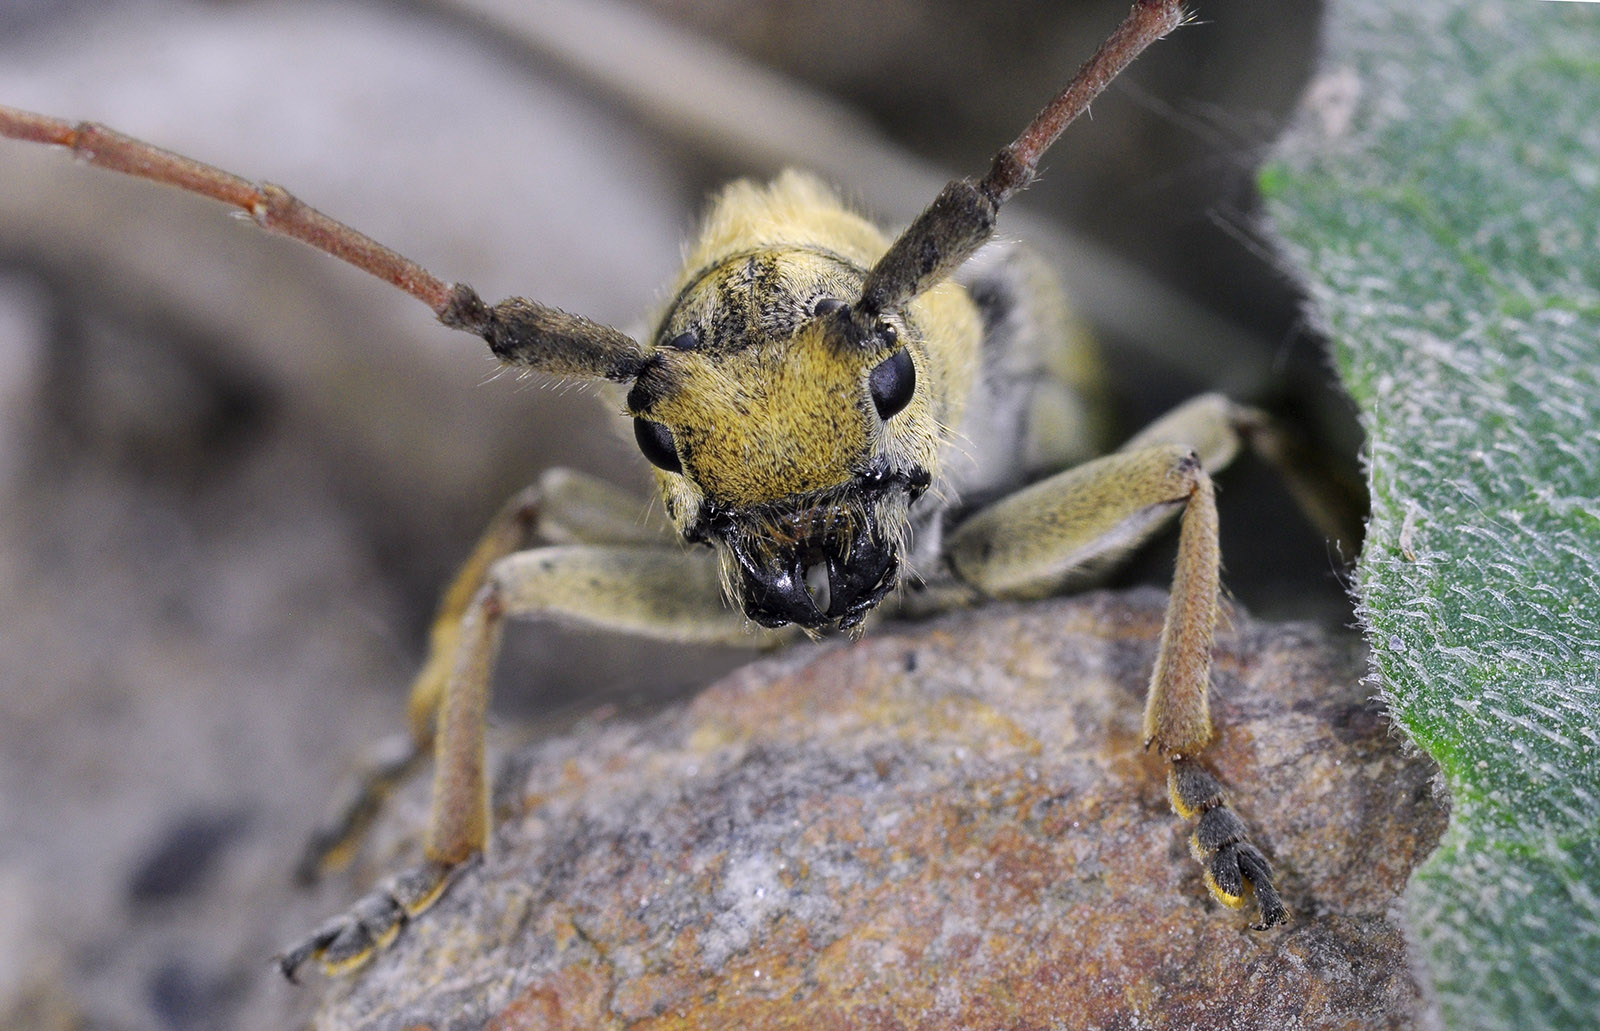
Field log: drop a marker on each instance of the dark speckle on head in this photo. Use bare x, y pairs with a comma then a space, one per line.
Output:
743, 299
652, 385
642, 396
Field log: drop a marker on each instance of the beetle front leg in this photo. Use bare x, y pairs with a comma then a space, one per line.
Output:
656, 592
1177, 718
563, 506
1041, 537
396, 758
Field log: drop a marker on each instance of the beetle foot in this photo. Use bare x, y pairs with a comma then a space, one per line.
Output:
1235, 870
366, 928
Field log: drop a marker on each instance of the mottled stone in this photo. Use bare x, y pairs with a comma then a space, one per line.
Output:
949, 824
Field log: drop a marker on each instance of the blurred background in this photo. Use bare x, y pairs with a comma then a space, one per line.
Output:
236, 473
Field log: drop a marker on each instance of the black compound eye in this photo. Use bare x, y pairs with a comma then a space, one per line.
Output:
892, 383
655, 440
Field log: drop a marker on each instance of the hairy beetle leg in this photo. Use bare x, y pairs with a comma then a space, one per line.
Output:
647, 589
396, 759
1075, 522
563, 506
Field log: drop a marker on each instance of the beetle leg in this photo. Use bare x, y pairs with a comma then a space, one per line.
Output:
1076, 522
563, 506
1331, 497
657, 592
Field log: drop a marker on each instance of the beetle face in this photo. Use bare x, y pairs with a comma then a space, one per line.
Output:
819, 560
794, 449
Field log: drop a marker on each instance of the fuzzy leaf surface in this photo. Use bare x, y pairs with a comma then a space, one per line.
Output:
1441, 195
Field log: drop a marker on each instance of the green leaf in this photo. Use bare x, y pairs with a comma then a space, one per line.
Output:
1441, 195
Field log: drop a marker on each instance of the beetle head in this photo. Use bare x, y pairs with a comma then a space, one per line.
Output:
786, 437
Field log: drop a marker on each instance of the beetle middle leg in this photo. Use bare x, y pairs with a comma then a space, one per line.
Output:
1034, 541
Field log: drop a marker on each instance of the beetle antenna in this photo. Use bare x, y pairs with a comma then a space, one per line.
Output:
961, 219
519, 331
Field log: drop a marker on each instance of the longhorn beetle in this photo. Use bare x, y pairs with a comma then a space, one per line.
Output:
803, 397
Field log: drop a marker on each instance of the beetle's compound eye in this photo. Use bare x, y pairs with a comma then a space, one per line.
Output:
892, 383
827, 306
655, 440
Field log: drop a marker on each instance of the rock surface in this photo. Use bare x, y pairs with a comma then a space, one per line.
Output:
946, 825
